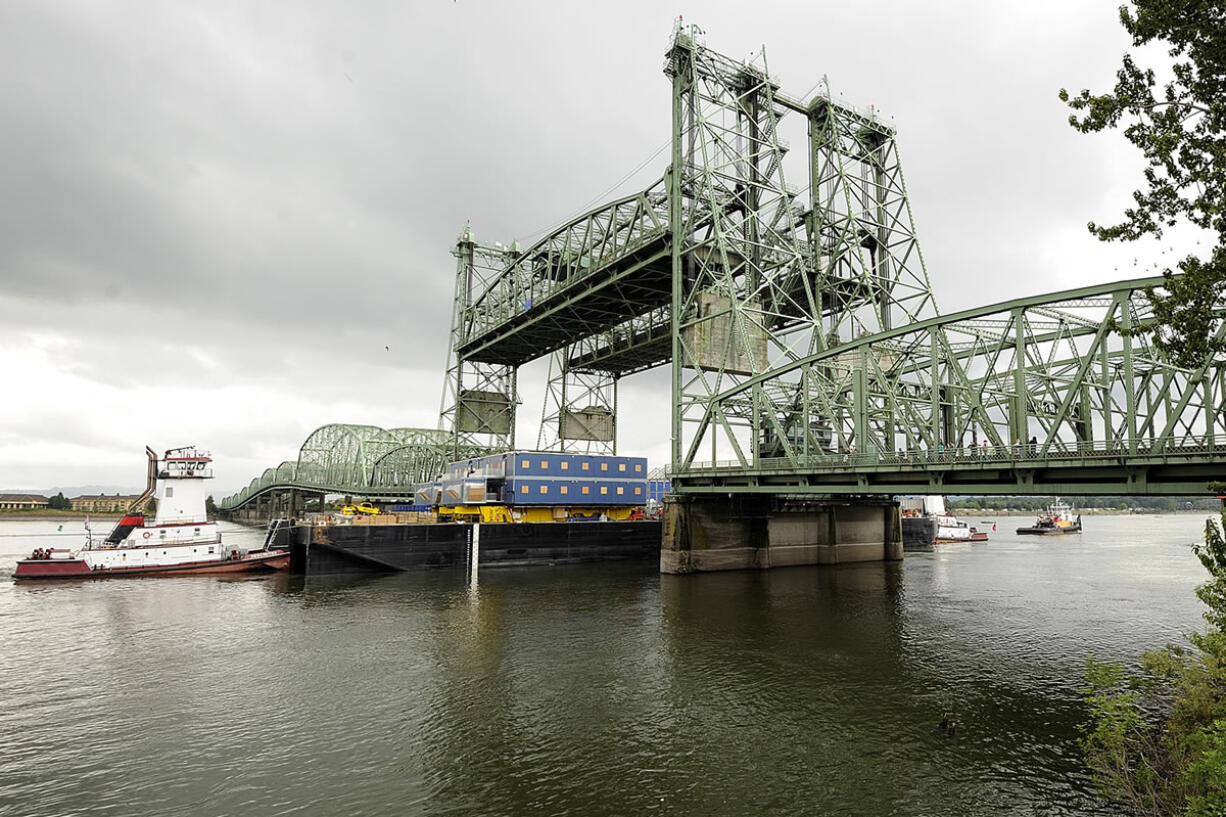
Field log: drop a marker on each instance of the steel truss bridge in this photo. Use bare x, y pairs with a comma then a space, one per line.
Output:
807, 352
359, 460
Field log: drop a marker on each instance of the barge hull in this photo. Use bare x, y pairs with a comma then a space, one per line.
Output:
367, 548
918, 532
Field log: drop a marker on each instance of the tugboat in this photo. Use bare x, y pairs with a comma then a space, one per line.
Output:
180, 539
926, 521
1057, 519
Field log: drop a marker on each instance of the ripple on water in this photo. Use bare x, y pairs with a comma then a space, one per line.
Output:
596, 690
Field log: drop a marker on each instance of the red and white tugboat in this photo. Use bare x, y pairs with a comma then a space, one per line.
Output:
179, 541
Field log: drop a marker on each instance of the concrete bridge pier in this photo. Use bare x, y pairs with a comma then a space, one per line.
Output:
738, 532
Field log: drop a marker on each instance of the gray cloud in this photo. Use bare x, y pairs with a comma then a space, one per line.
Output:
254, 200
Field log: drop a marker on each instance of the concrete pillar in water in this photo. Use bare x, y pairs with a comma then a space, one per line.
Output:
706, 533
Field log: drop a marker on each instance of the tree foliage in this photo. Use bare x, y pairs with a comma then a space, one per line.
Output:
1180, 129
1156, 741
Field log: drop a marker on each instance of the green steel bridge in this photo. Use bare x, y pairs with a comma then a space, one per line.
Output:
807, 352
357, 460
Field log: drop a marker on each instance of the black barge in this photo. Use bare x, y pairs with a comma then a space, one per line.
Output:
316, 549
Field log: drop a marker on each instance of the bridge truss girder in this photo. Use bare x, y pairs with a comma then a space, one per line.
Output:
910, 409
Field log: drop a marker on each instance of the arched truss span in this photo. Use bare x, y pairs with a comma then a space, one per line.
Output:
352, 459
1047, 381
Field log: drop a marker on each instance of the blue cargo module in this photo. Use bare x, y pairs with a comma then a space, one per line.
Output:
546, 478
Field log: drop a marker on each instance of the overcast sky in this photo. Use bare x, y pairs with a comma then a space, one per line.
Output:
216, 216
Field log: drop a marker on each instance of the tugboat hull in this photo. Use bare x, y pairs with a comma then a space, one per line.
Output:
1050, 531
81, 569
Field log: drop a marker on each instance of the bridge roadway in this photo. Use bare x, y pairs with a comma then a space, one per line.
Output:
1108, 415
1092, 469
1095, 468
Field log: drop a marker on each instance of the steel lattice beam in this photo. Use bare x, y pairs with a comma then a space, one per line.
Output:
1049, 399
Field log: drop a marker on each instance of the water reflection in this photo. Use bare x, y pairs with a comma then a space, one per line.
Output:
590, 689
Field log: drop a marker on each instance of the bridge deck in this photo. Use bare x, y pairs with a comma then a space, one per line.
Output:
629, 286
1101, 470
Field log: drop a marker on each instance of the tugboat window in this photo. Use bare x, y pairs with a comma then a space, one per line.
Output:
170, 491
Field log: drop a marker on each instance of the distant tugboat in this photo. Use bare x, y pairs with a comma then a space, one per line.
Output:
180, 540
1057, 519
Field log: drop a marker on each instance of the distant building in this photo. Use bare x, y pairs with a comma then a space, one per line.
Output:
102, 503
22, 502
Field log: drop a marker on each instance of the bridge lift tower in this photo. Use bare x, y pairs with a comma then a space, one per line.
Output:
763, 275
479, 398
722, 269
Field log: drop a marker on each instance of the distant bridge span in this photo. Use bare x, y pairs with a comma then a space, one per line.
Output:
356, 460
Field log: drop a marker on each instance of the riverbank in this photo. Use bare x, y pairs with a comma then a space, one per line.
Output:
53, 513
1085, 512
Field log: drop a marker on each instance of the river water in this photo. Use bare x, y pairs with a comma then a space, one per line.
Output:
588, 690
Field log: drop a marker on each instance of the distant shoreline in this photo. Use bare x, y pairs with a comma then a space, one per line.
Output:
1085, 511
49, 513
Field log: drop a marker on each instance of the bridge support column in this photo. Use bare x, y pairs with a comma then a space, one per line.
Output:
707, 533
